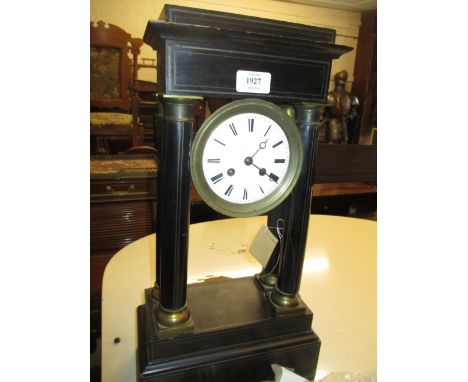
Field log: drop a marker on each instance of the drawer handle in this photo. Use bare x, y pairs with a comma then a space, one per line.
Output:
131, 188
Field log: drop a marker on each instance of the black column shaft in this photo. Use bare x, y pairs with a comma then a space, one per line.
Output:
173, 210
274, 216
298, 203
158, 134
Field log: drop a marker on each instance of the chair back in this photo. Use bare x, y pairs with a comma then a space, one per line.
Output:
111, 73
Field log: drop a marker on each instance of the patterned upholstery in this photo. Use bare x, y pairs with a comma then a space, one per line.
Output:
105, 72
111, 119
128, 165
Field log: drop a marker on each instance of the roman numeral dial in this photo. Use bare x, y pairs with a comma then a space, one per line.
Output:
251, 124
217, 178
229, 190
245, 158
242, 160
233, 129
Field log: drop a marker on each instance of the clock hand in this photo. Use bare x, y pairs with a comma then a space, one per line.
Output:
261, 146
261, 171
248, 161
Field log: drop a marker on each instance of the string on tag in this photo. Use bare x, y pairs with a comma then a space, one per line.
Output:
279, 232
278, 228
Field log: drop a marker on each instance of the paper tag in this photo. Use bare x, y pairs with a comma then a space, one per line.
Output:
282, 374
253, 82
263, 245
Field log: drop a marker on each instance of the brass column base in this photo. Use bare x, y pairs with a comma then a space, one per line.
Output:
282, 304
163, 323
174, 323
266, 282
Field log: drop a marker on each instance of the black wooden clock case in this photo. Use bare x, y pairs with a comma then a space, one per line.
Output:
230, 329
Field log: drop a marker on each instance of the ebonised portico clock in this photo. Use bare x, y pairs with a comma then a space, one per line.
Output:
246, 158
250, 157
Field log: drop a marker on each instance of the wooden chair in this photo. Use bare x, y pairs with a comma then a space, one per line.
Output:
114, 102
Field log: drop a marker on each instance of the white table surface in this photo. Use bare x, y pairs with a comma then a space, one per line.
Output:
338, 285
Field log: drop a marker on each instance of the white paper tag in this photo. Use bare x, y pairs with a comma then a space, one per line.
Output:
253, 82
282, 374
263, 245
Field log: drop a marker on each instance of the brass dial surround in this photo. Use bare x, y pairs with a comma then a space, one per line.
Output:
265, 110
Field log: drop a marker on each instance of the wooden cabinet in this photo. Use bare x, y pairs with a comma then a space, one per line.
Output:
122, 210
356, 199
365, 75
123, 201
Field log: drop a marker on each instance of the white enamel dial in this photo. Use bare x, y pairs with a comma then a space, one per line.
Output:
245, 158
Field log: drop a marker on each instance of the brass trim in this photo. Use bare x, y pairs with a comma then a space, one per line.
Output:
289, 109
285, 305
181, 96
174, 323
169, 318
284, 300
267, 281
264, 205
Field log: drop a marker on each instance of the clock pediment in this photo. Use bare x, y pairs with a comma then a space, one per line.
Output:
202, 51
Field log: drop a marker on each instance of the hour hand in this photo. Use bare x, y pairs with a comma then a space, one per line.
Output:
261, 171
273, 177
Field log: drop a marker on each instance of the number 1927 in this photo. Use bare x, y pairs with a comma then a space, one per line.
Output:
253, 81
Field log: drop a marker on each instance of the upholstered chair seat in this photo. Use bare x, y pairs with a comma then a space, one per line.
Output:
109, 120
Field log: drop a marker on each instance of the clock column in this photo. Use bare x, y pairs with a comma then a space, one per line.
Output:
296, 210
269, 274
173, 215
158, 131
275, 223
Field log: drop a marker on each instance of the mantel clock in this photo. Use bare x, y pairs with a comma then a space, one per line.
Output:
250, 157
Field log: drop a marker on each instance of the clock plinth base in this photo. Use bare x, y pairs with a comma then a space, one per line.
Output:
236, 337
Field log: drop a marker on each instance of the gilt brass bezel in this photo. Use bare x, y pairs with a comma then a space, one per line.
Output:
264, 205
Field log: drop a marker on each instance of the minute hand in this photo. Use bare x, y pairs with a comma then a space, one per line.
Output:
261, 146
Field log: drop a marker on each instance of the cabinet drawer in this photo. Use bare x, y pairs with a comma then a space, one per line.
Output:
112, 189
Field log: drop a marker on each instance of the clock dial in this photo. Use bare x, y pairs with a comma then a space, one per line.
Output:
246, 158
252, 161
